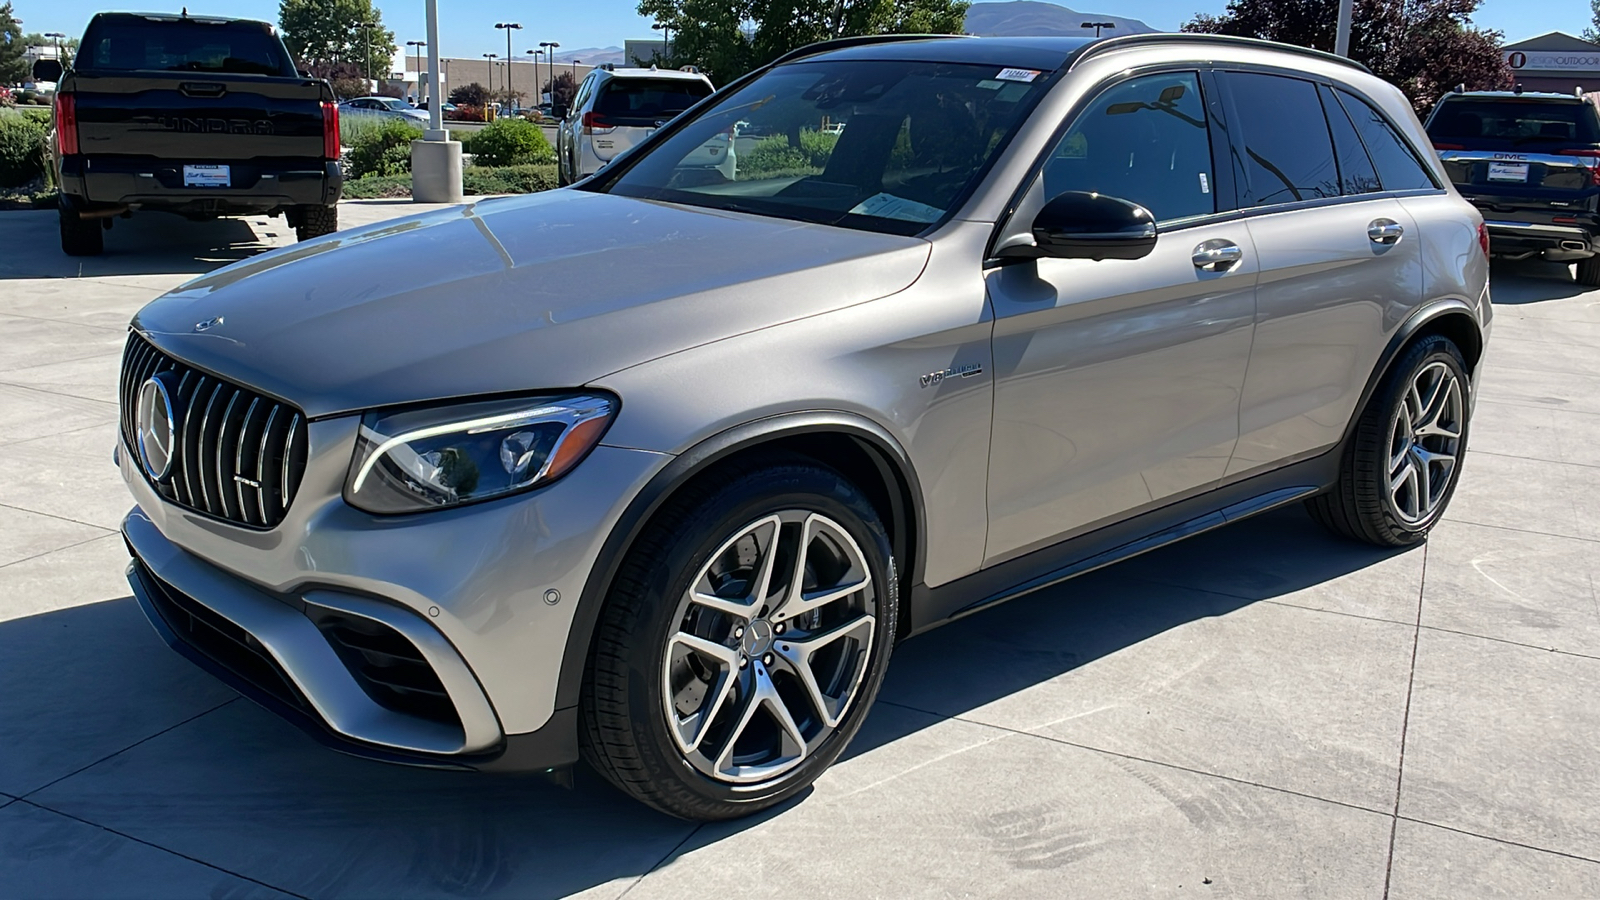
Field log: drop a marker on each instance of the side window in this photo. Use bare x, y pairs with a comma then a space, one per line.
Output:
1398, 167
1288, 153
584, 90
1144, 140
1356, 175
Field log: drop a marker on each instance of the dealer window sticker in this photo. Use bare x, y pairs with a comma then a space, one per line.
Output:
1024, 75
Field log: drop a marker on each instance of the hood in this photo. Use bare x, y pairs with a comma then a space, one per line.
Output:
547, 291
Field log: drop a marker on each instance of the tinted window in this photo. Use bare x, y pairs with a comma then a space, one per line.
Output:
1524, 121
1356, 175
882, 145
1288, 154
1143, 140
192, 45
631, 98
1398, 167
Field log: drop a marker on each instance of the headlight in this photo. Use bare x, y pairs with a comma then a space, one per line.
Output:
421, 459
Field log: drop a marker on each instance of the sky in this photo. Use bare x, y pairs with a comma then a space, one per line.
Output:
467, 26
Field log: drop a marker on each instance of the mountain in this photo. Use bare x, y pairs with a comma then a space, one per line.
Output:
594, 56
1030, 17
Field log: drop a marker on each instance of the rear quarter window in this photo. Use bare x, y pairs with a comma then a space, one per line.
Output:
1397, 165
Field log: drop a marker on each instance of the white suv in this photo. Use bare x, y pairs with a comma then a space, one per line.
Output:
615, 109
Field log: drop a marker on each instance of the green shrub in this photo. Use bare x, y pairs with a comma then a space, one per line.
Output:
22, 148
509, 179
353, 129
385, 151
511, 142
773, 156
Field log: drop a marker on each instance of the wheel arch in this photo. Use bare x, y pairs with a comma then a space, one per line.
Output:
1452, 318
861, 449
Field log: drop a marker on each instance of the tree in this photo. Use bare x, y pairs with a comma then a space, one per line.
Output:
730, 37
13, 68
561, 89
1592, 33
346, 78
1423, 47
473, 94
318, 32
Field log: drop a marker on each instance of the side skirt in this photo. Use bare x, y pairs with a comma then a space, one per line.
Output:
932, 607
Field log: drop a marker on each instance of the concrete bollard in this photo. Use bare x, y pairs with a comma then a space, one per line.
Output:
436, 169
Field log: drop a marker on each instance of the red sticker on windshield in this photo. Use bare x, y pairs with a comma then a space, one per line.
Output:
1018, 74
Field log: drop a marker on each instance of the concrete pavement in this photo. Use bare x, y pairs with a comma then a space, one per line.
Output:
1263, 711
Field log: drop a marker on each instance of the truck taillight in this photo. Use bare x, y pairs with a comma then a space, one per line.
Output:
595, 123
330, 129
66, 124
1440, 146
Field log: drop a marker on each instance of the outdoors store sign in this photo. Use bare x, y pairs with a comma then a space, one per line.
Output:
1552, 61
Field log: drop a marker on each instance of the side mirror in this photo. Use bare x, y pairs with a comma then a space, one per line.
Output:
1083, 225
47, 70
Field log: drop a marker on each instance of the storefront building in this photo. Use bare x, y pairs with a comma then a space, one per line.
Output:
1554, 62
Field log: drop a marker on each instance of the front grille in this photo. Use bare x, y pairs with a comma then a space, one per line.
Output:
387, 665
216, 636
236, 455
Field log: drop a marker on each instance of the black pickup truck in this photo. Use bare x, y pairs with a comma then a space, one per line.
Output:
203, 117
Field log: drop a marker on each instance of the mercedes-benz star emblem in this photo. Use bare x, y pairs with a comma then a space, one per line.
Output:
154, 427
208, 324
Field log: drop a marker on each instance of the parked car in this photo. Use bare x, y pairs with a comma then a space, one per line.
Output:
614, 109
383, 108
204, 117
687, 455
1531, 163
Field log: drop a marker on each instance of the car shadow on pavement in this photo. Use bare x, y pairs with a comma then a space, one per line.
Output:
149, 243
216, 779
1516, 283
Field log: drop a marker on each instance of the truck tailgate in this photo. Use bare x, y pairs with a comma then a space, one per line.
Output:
201, 116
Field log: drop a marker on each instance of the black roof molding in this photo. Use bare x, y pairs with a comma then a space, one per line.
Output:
859, 41
1140, 40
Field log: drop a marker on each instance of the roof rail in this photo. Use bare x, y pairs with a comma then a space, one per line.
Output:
861, 40
1134, 40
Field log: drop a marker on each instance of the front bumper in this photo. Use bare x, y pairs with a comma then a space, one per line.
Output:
466, 592
257, 185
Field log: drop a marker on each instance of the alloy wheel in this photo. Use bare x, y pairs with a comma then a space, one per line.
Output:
771, 643
1425, 442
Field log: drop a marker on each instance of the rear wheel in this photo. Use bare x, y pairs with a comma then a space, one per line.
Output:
80, 236
314, 221
1402, 467
744, 639
1589, 271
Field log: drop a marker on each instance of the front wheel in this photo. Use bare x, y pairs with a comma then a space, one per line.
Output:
743, 641
1403, 464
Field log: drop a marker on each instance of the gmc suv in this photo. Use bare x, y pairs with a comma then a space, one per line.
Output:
1531, 163
204, 117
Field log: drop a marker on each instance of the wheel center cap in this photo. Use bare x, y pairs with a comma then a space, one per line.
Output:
757, 638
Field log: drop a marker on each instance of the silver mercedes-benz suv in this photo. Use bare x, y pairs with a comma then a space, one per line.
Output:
654, 471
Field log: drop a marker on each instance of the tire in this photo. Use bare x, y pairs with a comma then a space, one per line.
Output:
315, 221
80, 236
1589, 271
1388, 492
652, 639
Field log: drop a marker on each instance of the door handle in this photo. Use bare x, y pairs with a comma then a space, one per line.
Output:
1385, 231
1217, 255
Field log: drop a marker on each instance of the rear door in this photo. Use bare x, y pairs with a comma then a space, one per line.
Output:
627, 110
1340, 260
1520, 157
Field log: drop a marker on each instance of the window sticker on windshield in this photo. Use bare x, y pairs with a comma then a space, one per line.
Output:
989, 84
888, 206
1205, 184
1018, 74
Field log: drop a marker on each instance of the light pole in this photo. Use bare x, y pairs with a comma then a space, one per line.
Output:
509, 27
1097, 26
666, 39
419, 45
491, 57
366, 29
58, 37
538, 93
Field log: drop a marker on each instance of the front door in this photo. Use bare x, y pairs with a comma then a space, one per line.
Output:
1117, 382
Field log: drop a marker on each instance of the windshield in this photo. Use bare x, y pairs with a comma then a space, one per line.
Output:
883, 146
245, 48
1521, 121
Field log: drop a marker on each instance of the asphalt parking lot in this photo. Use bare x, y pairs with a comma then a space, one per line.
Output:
1263, 711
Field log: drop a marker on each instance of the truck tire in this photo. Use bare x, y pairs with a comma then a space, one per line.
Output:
1589, 271
316, 221
80, 236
